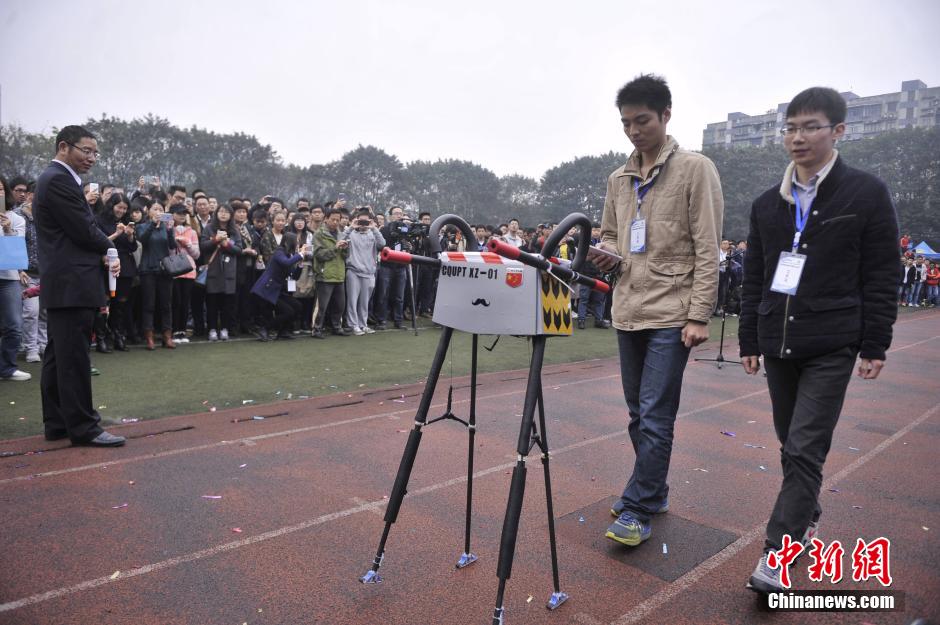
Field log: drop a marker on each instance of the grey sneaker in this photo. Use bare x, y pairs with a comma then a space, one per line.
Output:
213, 336
628, 530
223, 335
33, 357
765, 579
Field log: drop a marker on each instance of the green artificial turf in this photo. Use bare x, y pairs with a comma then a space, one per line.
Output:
197, 376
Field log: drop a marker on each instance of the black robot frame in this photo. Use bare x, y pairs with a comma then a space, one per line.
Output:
532, 431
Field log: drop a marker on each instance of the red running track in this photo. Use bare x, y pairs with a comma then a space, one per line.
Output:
309, 500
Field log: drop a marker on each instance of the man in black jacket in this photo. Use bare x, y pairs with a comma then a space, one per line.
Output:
71, 249
819, 290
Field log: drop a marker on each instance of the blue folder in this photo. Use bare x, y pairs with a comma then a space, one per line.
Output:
13, 253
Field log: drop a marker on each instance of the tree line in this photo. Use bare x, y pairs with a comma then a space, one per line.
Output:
237, 164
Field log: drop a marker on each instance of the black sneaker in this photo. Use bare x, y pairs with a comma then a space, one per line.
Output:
381, 326
317, 334
285, 335
262, 334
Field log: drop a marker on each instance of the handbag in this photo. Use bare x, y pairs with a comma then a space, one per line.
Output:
204, 270
176, 265
307, 282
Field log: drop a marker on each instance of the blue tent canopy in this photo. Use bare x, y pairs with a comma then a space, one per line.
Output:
922, 249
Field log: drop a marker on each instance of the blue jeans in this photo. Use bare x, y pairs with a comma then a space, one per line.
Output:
933, 294
11, 325
651, 366
589, 298
913, 297
390, 290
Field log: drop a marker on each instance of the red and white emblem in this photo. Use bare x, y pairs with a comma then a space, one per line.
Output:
514, 276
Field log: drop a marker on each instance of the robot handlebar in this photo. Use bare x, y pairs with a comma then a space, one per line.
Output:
512, 252
389, 255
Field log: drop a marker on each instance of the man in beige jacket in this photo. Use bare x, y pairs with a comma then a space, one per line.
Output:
663, 215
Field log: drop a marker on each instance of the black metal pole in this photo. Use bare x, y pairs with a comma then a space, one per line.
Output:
400, 488
557, 597
468, 557
507, 541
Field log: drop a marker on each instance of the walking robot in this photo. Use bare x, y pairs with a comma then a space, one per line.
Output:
503, 291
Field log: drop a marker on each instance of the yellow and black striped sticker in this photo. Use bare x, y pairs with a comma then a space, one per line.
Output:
556, 306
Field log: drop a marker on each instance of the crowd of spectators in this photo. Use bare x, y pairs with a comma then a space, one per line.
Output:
274, 272
195, 268
920, 277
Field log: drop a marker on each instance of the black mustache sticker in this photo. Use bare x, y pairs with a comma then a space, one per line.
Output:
480, 301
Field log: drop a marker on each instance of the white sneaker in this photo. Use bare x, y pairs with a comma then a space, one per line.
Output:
223, 335
33, 357
358, 331
368, 330
182, 340
213, 336
18, 376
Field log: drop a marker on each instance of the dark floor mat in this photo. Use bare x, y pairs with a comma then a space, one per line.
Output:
687, 543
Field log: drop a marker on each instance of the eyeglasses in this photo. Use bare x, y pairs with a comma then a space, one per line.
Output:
86, 151
806, 131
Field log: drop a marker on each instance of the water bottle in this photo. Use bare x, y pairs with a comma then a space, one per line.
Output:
112, 279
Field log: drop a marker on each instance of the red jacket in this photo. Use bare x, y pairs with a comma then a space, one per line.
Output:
933, 277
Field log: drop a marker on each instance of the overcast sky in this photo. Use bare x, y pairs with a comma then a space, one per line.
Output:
517, 87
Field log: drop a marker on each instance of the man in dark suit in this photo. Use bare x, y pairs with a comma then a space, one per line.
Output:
71, 251
819, 291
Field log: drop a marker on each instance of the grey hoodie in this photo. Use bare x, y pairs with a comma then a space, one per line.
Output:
363, 248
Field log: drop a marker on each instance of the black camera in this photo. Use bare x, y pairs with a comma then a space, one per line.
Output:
398, 235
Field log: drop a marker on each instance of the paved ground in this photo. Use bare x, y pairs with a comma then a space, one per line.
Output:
127, 535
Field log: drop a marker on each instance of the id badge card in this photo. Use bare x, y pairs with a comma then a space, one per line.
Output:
291, 285
787, 276
637, 236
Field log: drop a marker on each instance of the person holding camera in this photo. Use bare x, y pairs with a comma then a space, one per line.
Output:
329, 254
113, 221
221, 245
393, 277
425, 275
157, 238
187, 244
365, 242
271, 295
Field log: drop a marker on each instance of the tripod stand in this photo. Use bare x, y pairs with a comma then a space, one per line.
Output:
720, 359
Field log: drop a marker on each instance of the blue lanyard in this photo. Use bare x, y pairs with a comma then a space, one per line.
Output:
801, 218
641, 193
